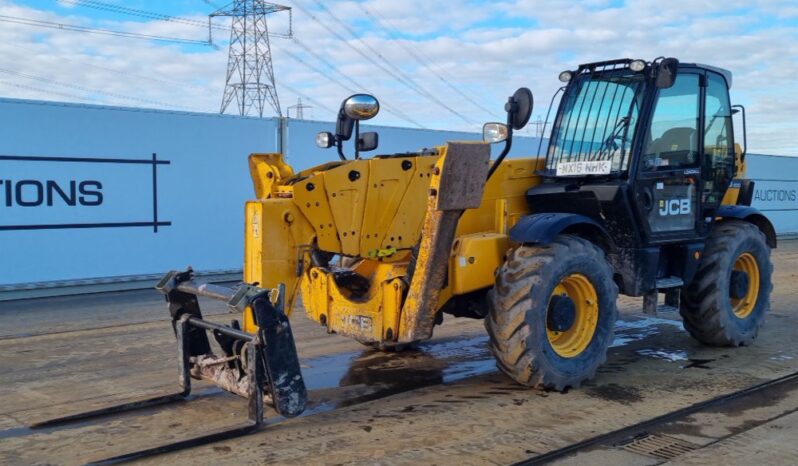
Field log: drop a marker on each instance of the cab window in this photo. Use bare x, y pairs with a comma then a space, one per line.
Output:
718, 145
673, 136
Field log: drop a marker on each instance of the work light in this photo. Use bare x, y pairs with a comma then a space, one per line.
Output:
637, 65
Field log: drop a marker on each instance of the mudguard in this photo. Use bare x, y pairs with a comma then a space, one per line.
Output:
752, 215
543, 228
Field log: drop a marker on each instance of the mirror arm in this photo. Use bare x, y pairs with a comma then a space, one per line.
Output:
745, 132
340, 146
357, 140
508, 144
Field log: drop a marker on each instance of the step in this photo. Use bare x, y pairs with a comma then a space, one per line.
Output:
669, 282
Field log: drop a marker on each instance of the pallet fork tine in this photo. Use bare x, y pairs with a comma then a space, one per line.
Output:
268, 361
184, 379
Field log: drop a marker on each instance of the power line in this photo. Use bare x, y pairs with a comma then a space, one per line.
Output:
409, 83
159, 16
47, 91
104, 6
424, 61
309, 99
90, 30
120, 72
357, 87
420, 89
44, 79
140, 13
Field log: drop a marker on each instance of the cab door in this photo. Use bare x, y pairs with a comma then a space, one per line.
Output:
718, 162
669, 182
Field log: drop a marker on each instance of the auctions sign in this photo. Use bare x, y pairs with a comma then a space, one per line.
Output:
49, 193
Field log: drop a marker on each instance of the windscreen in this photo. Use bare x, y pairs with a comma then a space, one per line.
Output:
594, 130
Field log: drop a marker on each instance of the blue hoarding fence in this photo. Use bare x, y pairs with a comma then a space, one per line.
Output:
86, 204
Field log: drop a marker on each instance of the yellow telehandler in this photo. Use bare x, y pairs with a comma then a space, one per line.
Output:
641, 191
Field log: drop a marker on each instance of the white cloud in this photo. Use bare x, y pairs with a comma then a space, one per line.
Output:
486, 50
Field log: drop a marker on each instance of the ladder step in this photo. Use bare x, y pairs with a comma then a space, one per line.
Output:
669, 282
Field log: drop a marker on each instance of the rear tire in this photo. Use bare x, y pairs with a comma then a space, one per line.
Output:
709, 310
532, 346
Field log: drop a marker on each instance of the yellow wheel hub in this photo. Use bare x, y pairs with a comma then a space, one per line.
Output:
744, 306
571, 342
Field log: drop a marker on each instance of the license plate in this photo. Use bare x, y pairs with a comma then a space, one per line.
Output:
596, 167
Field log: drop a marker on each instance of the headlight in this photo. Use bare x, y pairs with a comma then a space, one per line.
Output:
637, 65
325, 140
566, 76
494, 132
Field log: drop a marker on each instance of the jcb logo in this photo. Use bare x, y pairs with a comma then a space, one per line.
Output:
674, 207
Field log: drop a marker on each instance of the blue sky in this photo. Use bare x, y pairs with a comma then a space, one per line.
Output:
463, 56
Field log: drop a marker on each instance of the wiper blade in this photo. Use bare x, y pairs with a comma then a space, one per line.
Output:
609, 143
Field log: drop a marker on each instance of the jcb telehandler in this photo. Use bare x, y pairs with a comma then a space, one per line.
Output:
642, 191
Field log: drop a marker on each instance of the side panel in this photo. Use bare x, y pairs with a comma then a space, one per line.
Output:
406, 225
475, 260
275, 234
389, 181
311, 197
346, 193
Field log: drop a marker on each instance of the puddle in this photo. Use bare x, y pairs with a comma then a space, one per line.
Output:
664, 354
441, 361
445, 361
628, 331
781, 357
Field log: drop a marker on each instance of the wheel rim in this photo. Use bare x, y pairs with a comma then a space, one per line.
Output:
744, 306
573, 341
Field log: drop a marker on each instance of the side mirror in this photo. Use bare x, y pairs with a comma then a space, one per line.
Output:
325, 140
368, 142
493, 133
519, 108
354, 109
666, 73
361, 107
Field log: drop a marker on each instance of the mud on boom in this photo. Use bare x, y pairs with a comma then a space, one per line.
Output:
641, 191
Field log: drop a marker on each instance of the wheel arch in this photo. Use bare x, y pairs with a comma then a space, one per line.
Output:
543, 228
751, 215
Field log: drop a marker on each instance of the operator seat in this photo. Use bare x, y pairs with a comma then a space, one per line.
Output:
677, 146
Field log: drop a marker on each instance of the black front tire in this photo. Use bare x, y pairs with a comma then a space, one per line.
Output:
519, 305
706, 305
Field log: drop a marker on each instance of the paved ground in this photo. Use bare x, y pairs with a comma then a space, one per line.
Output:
443, 404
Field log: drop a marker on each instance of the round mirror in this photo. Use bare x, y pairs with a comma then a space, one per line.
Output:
361, 107
524, 103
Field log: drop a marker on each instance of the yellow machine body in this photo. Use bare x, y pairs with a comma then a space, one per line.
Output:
371, 214
370, 218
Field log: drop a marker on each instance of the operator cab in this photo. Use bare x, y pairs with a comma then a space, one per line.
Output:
645, 151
